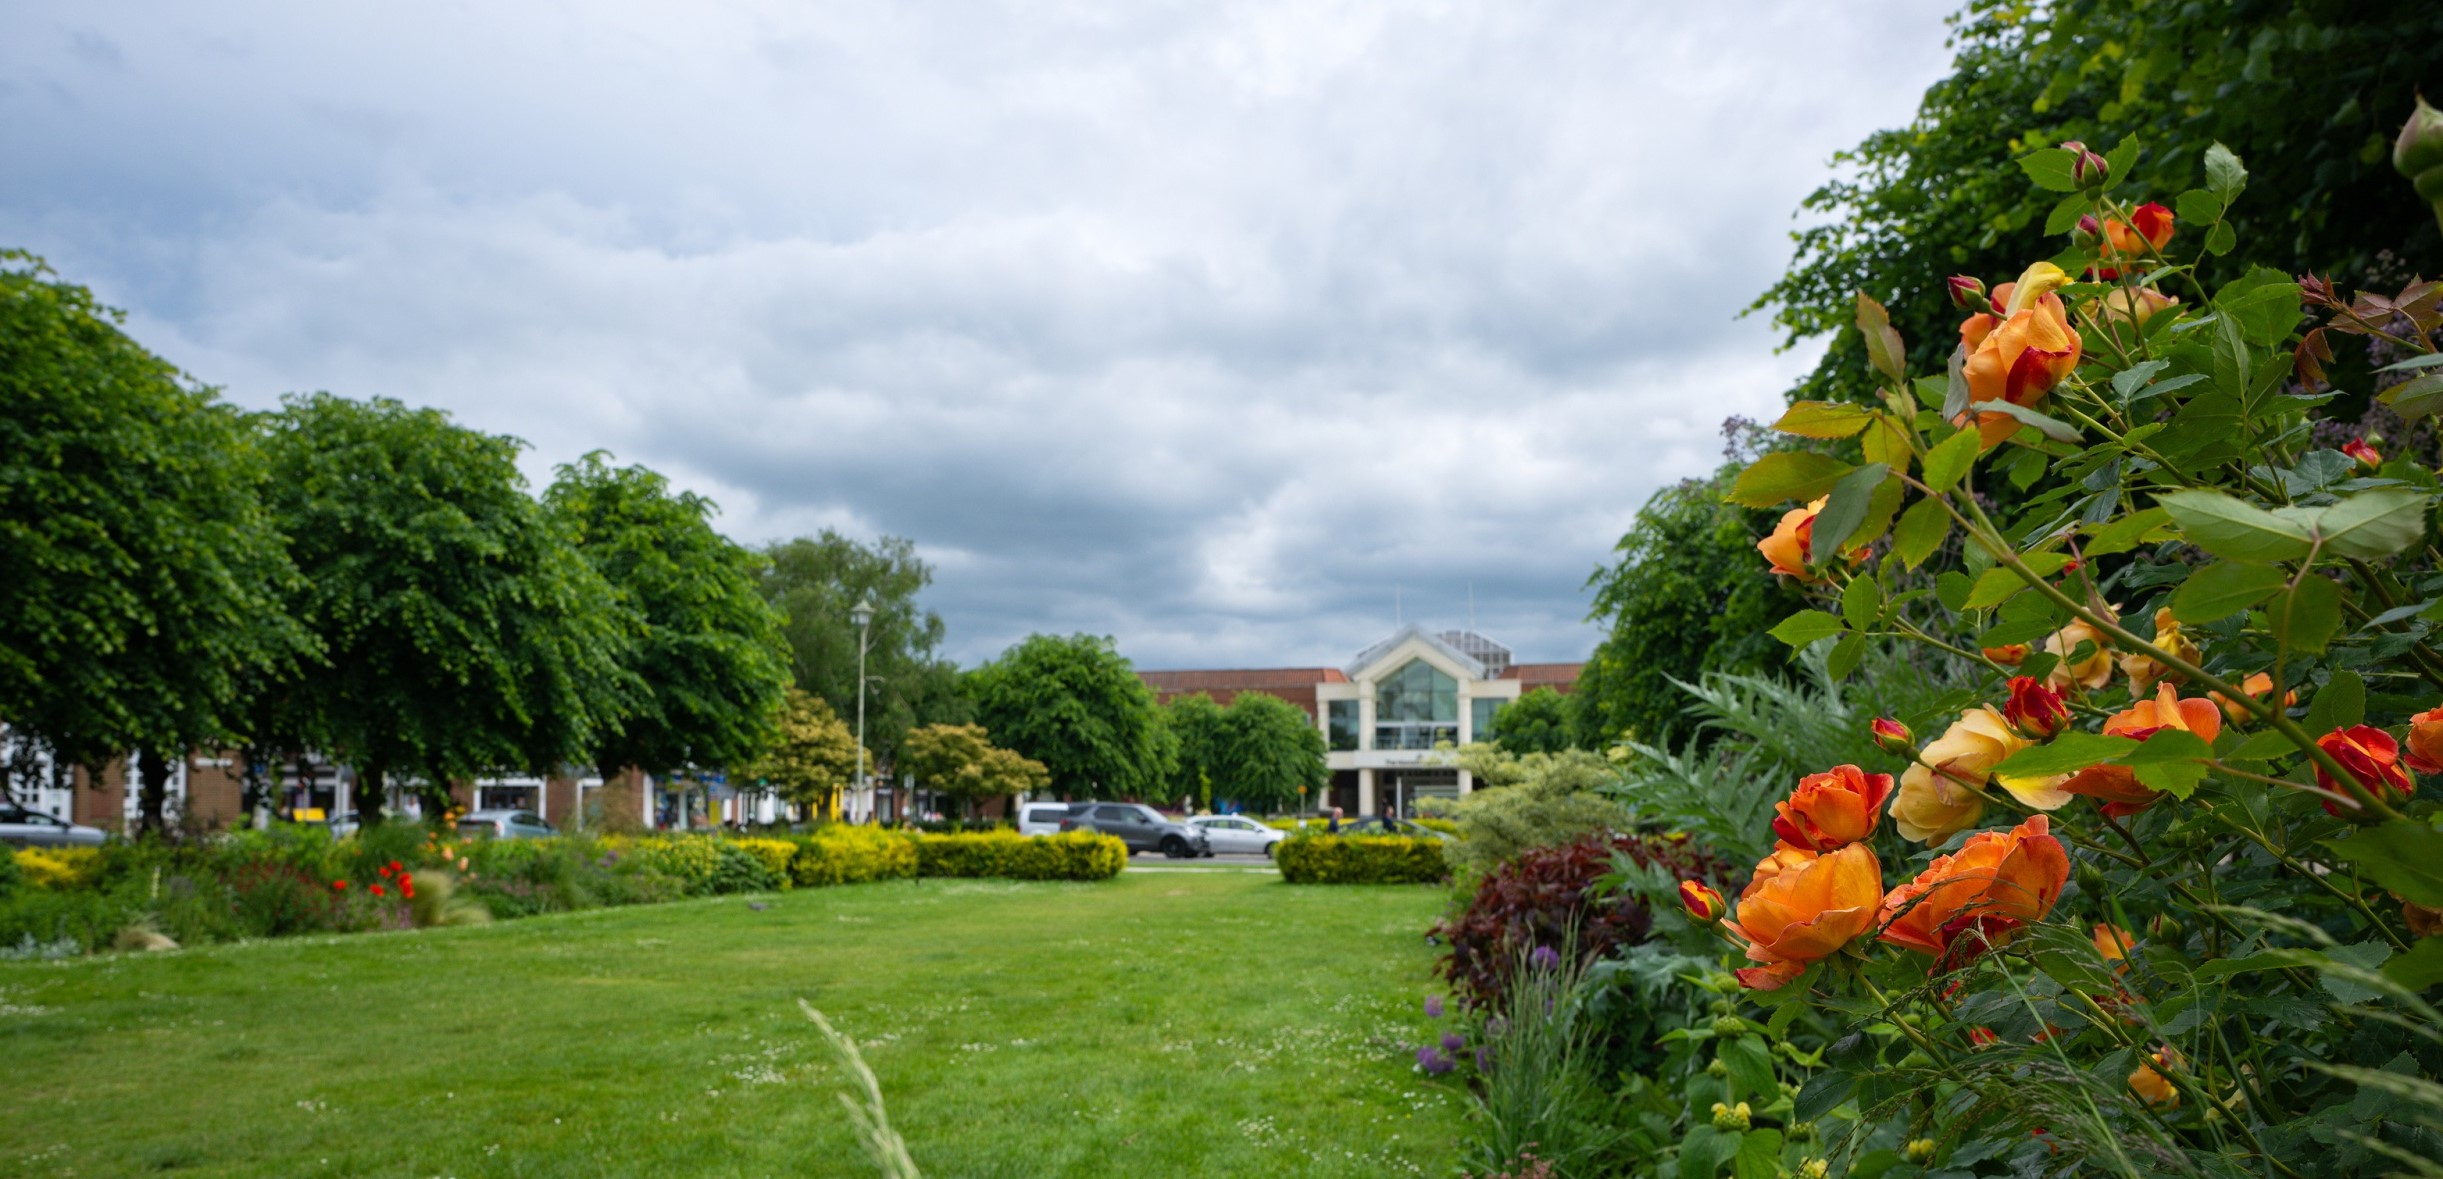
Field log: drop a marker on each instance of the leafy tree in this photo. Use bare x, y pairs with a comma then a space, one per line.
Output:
962, 762
1542, 721
1199, 734
708, 666
816, 582
462, 632
2309, 92
1685, 596
1530, 800
1076, 706
811, 756
141, 602
1271, 750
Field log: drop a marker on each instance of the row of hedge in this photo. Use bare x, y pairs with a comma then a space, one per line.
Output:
295, 880
1295, 823
1361, 859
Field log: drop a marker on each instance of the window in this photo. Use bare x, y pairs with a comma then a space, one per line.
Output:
1480, 716
1416, 707
1343, 717
1117, 814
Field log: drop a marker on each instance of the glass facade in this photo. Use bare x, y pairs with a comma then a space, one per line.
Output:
1415, 707
1341, 716
1480, 716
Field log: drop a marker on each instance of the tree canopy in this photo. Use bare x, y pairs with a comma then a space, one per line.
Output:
815, 582
2309, 92
1076, 706
1260, 751
1541, 721
962, 762
810, 756
140, 606
707, 667
462, 632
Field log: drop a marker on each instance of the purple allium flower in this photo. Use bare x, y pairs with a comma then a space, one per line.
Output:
1544, 958
1452, 1042
1432, 1061
1483, 1062
1433, 1006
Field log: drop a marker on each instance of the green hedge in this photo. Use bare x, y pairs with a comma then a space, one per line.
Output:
849, 854
1361, 859
1075, 855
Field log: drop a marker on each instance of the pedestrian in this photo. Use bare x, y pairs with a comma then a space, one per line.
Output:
1333, 827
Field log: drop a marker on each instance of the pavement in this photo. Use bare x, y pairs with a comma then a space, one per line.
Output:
1219, 861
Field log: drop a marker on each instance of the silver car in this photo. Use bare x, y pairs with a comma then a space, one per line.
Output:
505, 825
1238, 833
30, 828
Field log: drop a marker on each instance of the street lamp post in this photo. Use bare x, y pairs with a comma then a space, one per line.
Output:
863, 615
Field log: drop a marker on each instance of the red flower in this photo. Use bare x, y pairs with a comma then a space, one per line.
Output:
2035, 710
1703, 902
339, 886
384, 873
2368, 456
394, 867
2371, 756
377, 891
1891, 736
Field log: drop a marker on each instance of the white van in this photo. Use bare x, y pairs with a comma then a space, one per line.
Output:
1042, 818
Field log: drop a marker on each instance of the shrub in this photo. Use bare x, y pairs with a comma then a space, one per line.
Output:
275, 899
59, 867
740, 870
689, 860
89, 918
775, 854
1529, 800
1361, 859
846, 854
12, 877
1556, 898
1074, 855
962, 826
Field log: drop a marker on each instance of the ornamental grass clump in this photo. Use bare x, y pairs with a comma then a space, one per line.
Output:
2159, 894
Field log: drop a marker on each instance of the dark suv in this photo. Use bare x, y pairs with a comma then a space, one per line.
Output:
1141, 827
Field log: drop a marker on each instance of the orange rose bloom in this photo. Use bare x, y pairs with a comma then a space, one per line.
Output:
2124, 306
1929, 806
2256, 687
2114, 943
1776, 862
1827, 810
2426, 742
2008, 655
2091, 672
1807, 913
2118, 786
2020, 355
2148, 225
1787, 547
1995, 883
2371, 756
2150, 1086
2144, 670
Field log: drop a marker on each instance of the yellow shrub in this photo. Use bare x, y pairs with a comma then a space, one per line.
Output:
775, 854
59, 867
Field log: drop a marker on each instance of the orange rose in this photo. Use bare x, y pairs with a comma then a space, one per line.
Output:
2144, 670
2037, 711
2020, 355
1787, 547
2092, 671
2114, 943
2371, 756
2257, 687
2008, 654
1776, 862
2426, 742
2125, 307
1827, 810
2118, 786
2148, 225
2150, 1086
1939, 796
1995, 883
1805, 914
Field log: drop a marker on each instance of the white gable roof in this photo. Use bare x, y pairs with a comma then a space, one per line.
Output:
1414, 640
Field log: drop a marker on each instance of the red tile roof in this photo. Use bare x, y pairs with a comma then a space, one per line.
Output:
1294, 684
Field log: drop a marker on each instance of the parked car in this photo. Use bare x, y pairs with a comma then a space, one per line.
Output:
32, 828
1043, 818
1238, 833
1374, 825
505, 825
1141, 827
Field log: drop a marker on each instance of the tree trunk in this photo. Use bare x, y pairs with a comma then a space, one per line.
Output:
368, 796
153, 772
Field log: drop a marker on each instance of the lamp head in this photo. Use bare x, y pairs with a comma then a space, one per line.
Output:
863, 612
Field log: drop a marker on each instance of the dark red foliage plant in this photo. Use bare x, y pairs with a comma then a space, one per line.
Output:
1555, 897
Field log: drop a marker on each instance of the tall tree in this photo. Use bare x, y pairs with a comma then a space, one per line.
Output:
462, 632
141, 587
810, 756
1541, 721
816, 582
2308, 92
962, 762
1686, 595
1076, 706
1200, 738
1272, 752
708, 666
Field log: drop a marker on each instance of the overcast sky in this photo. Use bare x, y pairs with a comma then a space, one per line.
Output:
1215, 327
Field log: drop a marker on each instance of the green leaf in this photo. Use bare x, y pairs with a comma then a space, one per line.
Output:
1843, 512
2402, 856
2420, 968
1929, 391
2220, 590
1823, 419
1862, 603
2341, 703
2066, 754
2266, 746
2235, 529
2264, 302
1846, 655
2232, 359
1883, 345
1823, 1093
2374, 524
2065, 215
2049, 167
1952, 587
2220, 239
1950, 459
2367, 956
2168, 746
2428, 360
1994, 588
2415, 398
2122, 158
1759, 1156
1805, 627
2198, 207
1785, 475
1920, 532
2128, 532
1703, 1150
2176, 778
2051, 427
1955, 393
1751, 1068
2306, 618
2223, 174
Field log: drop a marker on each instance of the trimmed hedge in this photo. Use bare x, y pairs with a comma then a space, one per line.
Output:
777, 856
1361, 859
1074, 855
847, 854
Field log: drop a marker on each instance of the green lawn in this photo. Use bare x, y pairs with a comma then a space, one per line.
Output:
1165, 1023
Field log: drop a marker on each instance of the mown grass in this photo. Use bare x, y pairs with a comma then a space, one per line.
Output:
1165, 1023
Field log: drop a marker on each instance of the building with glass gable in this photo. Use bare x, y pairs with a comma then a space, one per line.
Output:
1383, 715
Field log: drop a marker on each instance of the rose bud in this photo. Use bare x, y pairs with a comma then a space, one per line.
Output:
1893, 737
1703, 902
1967, 292
2418, 154
2367, 456
2037, 711
2087, 169
2009, 655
